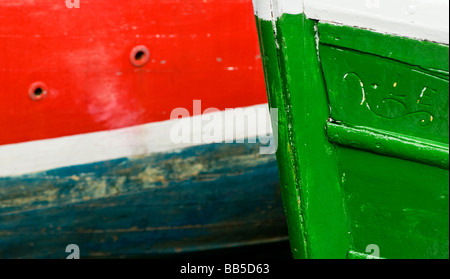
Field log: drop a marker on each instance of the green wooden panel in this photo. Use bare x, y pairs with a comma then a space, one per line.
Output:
364, 139
367, 90
389, 108
427, 55
315, 213
288, 177
390, 144
400, 206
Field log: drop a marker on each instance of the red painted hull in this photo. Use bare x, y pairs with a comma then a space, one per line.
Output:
204, 50
129, 192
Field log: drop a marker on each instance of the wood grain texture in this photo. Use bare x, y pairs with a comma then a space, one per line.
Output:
201, 198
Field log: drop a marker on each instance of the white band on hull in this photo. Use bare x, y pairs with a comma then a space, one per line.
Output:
42, 155
264, 8
419, 19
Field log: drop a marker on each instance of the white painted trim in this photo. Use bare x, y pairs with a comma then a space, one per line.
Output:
263, 8
42, 155
419, 19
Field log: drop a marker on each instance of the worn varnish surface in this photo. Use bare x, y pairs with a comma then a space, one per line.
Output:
206, 197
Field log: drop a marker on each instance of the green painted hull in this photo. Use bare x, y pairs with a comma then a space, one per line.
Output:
363, 139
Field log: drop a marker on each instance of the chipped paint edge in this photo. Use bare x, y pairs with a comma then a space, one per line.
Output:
270, 9
141, 140
421, 20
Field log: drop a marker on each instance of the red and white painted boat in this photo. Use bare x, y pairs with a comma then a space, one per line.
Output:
86, 155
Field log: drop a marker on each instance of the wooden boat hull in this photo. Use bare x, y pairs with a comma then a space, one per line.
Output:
86, 153
199, 199
363, 125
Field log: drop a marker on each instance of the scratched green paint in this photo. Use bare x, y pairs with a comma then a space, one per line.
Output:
284, 152
322, 228
363, 139
352, 255
390, 144
401, 49
396, 92
367, 90
399, 205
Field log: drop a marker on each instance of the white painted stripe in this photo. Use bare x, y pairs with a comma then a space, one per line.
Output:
42, 155
264, 8
419, 19
270, 9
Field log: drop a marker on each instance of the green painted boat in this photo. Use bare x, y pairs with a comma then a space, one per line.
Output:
362, 93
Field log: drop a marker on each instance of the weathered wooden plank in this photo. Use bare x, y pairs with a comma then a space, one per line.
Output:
200, 198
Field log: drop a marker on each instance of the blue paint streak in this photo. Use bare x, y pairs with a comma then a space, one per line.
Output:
204, 197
